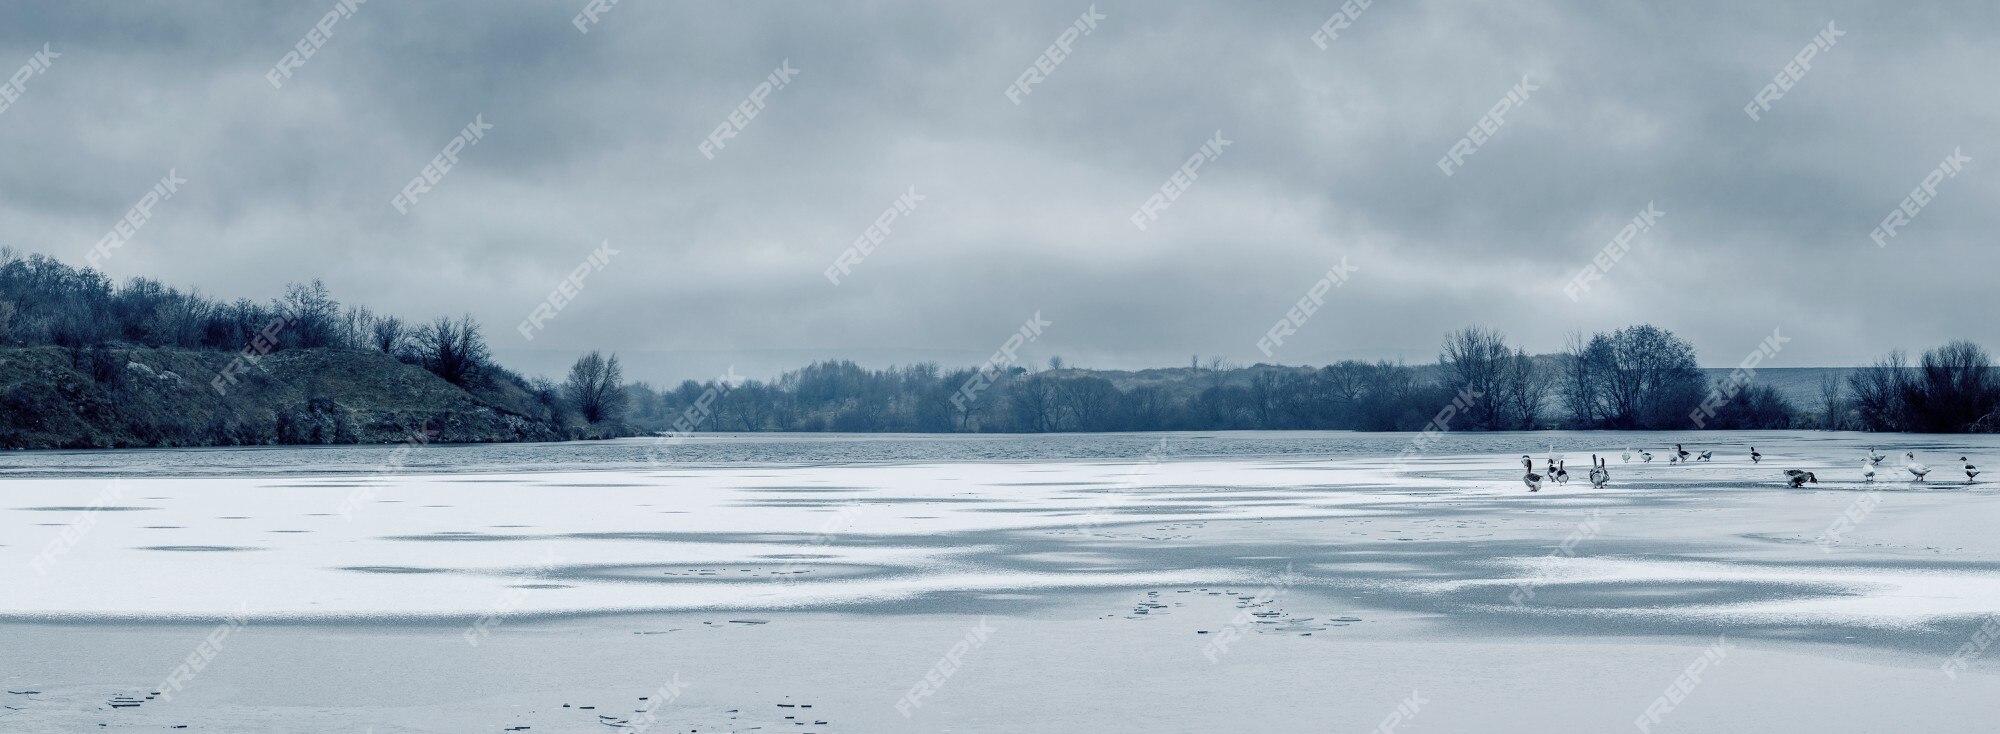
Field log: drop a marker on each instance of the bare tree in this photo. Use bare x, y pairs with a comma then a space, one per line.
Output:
596, 388
389, 335
1833, 407
451, 349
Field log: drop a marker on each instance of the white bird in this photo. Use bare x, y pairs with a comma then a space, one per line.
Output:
1971, 472
1627, 455
1599, 476
1673, 458
1915, 468
1533, 480
1875, 458
1867, 470
1645, 456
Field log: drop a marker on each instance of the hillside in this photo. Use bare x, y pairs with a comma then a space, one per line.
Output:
129, 396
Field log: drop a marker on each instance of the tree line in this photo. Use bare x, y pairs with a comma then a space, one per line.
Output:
45, 302
1636, 378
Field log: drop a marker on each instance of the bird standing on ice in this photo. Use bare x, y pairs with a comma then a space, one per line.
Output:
1627, 456
1867, 470
1971, 472
1533, 480
1756, 458
1683, 453
1705, 455
1599, 476
1645, 456
1916, 469
1800, 477
1562, 474
1875, 458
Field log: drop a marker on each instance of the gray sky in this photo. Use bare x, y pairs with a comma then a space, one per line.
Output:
1333, 153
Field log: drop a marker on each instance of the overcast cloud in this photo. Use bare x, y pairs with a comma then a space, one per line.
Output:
1333, 153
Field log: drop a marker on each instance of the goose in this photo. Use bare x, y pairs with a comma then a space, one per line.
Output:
1533, 480
1915, 468
1800, 477
1627, 456
1681, 451
1673, 458
1645, 456
1867, 470
1705, 455
1756, 458
1562, 473
1599, 476
1971, 472
1875, 458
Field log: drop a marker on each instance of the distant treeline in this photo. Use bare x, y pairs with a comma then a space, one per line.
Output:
1637, 378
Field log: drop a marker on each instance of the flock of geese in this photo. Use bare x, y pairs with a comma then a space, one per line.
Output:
1600, 472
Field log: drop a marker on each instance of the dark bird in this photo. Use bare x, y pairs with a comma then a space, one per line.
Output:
1599, 475
1971, 472
1533, 480
1756, 458
1681, 451
1799, 477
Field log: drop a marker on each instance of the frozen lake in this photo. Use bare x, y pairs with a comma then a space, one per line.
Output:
1117, 582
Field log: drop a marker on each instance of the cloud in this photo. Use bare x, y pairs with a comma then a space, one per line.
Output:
1333, 153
